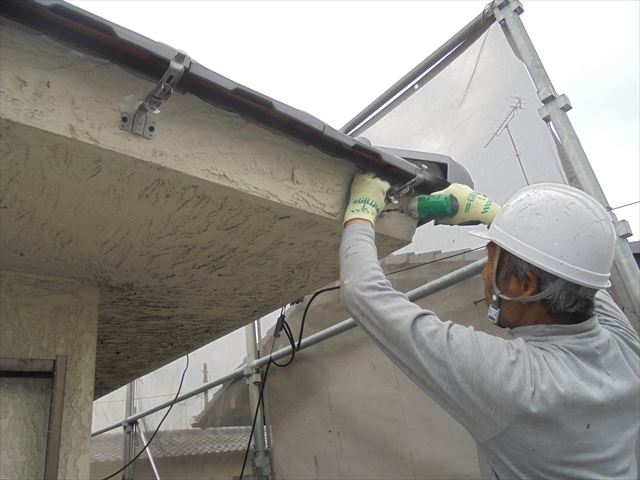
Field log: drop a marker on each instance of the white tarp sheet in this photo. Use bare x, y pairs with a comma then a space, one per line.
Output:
479, 110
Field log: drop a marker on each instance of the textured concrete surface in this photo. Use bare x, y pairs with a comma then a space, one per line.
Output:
188, 236
41, 317
24, 408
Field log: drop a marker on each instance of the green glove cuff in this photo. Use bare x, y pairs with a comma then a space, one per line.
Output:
365, 197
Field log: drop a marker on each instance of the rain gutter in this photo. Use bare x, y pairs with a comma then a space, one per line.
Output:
150, 59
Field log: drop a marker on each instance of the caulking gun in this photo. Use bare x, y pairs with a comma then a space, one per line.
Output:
424, 207
430, 207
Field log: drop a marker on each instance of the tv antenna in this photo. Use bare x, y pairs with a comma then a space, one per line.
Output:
504, 127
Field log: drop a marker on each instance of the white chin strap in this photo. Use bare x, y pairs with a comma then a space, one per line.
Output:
494, 309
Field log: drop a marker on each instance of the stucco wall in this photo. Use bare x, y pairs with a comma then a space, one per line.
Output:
24, 413
209, 225
41, 317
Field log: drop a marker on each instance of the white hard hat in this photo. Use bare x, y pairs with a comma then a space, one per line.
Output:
559, 229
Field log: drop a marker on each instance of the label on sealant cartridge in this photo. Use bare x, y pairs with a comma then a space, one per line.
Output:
431, 207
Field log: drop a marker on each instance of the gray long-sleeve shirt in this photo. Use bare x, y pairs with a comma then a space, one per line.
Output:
556, 401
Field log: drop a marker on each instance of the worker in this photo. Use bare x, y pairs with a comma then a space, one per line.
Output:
560, 399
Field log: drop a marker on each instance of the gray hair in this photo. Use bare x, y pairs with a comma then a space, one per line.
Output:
571, 304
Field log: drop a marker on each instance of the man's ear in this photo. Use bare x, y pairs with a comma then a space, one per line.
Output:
530, 285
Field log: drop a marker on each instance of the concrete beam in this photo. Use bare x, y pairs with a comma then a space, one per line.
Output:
187, 236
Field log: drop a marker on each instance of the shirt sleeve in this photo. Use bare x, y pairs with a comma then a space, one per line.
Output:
613, 319
468, 373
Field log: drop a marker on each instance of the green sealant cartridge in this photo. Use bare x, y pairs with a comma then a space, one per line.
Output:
431, 207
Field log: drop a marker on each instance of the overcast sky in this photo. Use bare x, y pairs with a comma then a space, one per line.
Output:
333, 58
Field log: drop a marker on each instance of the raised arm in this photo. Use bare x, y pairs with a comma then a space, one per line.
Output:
465, 371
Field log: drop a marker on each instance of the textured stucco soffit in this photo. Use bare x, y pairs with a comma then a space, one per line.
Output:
214, 222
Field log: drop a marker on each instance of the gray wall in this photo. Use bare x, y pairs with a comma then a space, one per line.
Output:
343, 410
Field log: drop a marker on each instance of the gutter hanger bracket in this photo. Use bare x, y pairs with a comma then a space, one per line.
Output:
138, 122
398, 191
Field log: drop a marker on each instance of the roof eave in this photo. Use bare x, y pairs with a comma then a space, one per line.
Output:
151, 59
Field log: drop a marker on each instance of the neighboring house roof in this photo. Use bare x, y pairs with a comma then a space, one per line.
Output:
151, 59
175, 443
228, 406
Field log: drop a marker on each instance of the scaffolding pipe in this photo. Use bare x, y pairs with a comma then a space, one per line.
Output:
430, 288
238, 373
474, 28
554, 111
129, 433
261, 461
148, 450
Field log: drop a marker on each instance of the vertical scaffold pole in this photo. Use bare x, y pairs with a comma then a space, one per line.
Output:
129, 432
554, 111
261, 463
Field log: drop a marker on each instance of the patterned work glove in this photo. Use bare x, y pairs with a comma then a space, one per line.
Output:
473, 207
365, 197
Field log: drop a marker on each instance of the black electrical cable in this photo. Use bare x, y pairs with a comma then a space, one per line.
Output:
280, 324
157, 428
287, 330
255, 415
306, 309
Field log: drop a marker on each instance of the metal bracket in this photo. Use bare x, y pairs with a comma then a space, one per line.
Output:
398, 191
251, 375
547, 94
623, 229
138, 122
126, 424
499, 5
263, 463
562, 102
